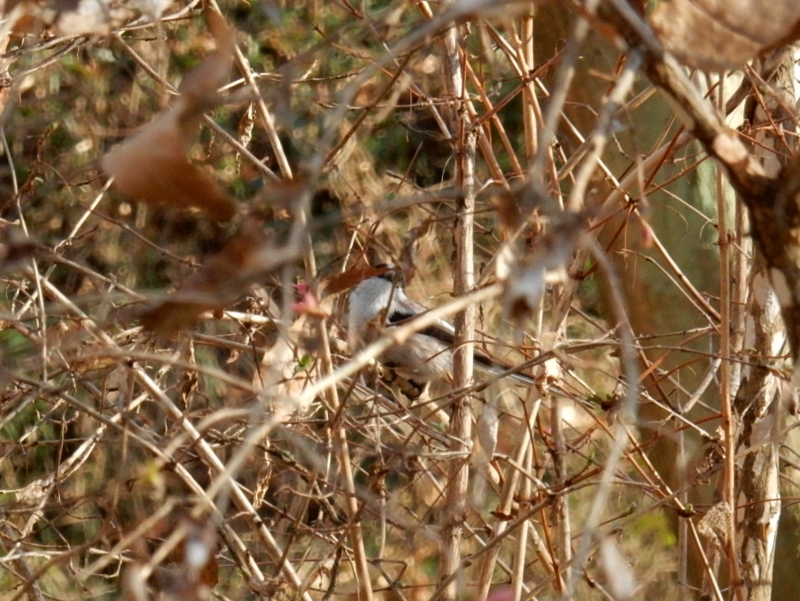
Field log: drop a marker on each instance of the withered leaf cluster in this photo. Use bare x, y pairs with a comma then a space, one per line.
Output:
153, 166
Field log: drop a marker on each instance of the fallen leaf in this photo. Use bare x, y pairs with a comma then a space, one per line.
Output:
153, 165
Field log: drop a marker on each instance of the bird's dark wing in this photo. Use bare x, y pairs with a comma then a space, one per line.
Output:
438, 331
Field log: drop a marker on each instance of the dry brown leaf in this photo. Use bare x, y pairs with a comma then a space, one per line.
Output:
345, 281
219, 282
153, 166
20, 19
723, 34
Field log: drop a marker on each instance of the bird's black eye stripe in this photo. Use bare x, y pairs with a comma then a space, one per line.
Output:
398, 317
392, 274
485, 361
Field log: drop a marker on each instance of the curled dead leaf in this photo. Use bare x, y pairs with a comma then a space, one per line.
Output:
346, 280
222, 280
152, 166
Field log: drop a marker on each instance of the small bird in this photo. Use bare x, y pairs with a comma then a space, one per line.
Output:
425, 356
